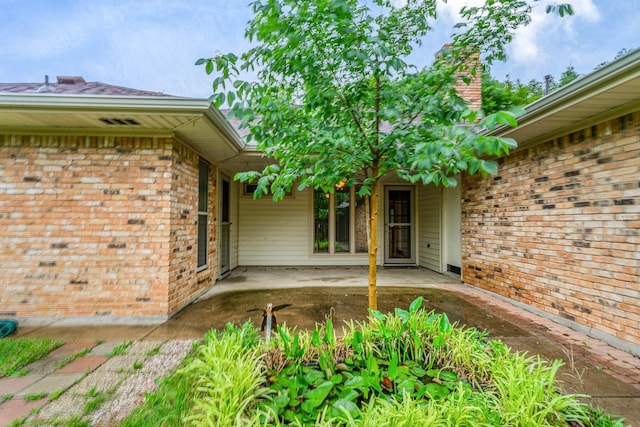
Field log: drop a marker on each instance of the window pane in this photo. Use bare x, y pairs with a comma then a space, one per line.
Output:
203, 186
399, 207
361, 225
202, 240
400, 241
320, 222
342, 209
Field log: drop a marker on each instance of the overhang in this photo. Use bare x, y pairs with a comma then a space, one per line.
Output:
193, 121
611, 91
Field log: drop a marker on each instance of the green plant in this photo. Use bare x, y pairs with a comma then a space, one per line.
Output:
6, 397
18, 422
35, 396
95, 399
228, 377
55, 394
155, 350
366, 378
120, 349
137, 365
169, 405
16, 353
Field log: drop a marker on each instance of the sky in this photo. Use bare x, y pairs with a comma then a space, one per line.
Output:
153, 44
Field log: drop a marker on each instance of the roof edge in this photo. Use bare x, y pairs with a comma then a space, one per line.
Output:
602, 76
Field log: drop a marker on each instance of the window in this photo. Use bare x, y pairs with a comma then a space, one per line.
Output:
339, 222
203, 214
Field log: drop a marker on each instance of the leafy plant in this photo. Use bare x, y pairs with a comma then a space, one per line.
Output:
228, 379
314, 378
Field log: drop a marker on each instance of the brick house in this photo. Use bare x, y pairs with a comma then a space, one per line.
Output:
558, 229
108, 200
117, 203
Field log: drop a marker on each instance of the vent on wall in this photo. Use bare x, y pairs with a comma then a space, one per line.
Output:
120, 122
453, 269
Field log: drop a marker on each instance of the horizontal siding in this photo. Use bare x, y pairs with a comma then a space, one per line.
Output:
429, 244
277, 234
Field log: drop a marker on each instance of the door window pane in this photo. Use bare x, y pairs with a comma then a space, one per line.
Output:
400, 241
399, 207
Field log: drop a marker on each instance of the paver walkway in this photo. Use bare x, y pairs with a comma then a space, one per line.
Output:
70, 381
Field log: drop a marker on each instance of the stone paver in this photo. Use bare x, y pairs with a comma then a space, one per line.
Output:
99, 380
18, 408
124, 363
13, 385
606, 364
70, 349
65, 406
82, 365
45, 366
51, 383
144, 347
104, 348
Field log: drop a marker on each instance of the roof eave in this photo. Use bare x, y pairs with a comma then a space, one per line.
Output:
139, 104
600, 80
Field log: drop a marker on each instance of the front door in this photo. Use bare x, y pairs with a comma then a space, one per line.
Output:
399, 242
225, 229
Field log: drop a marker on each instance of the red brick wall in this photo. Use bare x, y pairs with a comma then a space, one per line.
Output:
86, 226
559, 228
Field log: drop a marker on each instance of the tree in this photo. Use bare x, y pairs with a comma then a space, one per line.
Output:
497, 95
336, 103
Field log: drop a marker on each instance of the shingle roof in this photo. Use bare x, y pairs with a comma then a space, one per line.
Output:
76, 85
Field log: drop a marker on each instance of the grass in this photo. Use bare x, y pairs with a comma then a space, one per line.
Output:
96, 399
119, 350
35, 396
16, 353
170, 403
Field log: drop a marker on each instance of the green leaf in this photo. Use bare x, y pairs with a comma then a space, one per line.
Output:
439, 342
444, 325
434, 391
314, 377
208, 66
345, 406
415, 305
377, 314
315, 397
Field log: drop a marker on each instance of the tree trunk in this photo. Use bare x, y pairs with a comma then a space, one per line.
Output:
373, 247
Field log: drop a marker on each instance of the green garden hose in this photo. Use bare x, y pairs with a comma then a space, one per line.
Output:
7, 327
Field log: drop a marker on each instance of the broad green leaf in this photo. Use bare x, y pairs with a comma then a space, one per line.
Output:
346, 406
315, 397
415, 305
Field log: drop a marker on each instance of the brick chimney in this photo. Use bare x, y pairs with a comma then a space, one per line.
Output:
471, 91
70, 80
